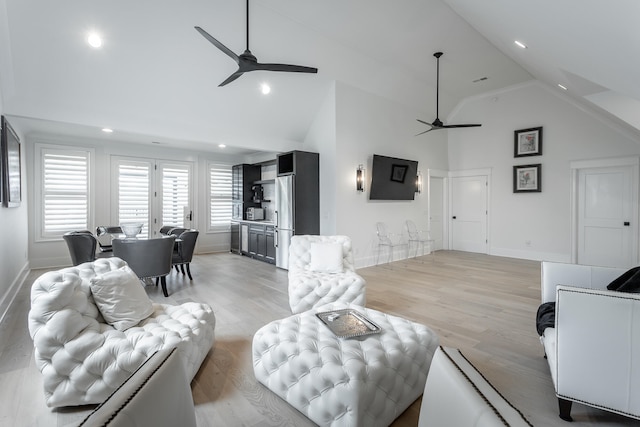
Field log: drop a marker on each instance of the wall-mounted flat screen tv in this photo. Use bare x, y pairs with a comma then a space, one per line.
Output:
393, 179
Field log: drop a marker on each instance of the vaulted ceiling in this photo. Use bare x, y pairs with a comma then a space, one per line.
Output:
156, 78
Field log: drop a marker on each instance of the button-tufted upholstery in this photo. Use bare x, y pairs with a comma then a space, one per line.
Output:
82, 358
308, 289
366, 381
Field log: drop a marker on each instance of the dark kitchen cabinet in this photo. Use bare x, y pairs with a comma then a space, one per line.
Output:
261, 242
242, 178
304, 167
235, 237
270, 253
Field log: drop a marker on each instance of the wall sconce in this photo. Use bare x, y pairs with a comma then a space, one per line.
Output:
419, 182
360, 179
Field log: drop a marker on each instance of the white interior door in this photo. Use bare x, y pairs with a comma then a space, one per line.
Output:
469, 213
606, 224
436, 212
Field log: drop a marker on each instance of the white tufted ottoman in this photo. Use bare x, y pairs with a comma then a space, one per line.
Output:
366, 381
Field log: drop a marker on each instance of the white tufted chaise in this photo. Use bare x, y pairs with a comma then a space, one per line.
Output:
82, 358
365, 381
309, 288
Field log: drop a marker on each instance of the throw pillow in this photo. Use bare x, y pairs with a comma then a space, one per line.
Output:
121, 298
629, 281
326, 257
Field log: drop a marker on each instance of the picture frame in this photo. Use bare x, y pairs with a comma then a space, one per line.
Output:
527, 142
11, 165
398, 172
527, 178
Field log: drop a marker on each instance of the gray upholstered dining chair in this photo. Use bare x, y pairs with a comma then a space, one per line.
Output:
147, 258
104, 233
82, 246
183, 252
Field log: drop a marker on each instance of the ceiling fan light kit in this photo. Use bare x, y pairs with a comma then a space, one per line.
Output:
247, 61
437, 123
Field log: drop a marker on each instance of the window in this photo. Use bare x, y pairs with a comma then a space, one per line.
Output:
219, 197
153, 192
64, 177
133, 193
175, 194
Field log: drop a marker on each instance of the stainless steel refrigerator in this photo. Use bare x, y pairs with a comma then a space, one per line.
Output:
284, 218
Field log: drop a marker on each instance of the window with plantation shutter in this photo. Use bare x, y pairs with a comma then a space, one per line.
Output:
175, 194
219, 197
133, 193
64, 190
153, 192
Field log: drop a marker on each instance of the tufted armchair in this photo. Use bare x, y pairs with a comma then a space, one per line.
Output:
82, 358
321, 271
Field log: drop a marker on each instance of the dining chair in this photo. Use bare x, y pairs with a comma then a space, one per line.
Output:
82, 246
104, 235
183, 251
148, 258
419, 237
165, 229
387, 240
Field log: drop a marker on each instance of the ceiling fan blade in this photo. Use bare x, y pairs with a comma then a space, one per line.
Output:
219, 45
421, 133
461, 126
286, 68
424, 123
231, 78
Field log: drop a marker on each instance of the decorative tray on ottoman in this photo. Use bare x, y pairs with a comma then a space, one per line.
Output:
348, 323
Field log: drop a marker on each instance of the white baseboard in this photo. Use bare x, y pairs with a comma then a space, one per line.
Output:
7, 299
530, 255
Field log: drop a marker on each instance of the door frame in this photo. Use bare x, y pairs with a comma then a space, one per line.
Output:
486, 172
576, 166
444, 175
155, 188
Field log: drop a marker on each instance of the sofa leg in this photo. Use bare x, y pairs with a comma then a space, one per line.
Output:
163, 281
188, 271
565, 409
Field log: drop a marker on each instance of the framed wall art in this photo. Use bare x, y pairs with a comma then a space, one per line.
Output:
11, 169
527, 178
527, 142
398, 172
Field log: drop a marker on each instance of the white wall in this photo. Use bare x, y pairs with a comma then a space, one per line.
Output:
569, 133
55, 253
14, 263
321, 139
368, 124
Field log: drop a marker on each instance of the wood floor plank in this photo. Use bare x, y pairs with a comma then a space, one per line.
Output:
481, 304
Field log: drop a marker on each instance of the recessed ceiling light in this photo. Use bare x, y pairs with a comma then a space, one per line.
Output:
520, 44
94, 40
562, 87
265, 88
107, 130
221, 146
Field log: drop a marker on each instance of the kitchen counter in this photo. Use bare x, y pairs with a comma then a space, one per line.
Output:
261, 221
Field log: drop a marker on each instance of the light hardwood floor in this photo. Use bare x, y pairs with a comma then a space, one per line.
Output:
481, 304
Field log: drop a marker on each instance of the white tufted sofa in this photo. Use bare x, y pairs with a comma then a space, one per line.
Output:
82, 358
308, 289
365, 381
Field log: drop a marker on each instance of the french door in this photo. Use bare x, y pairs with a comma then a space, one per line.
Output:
152, 192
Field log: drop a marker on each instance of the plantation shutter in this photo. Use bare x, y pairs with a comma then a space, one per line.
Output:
220, 197
175, 194
133, 193
65, 191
